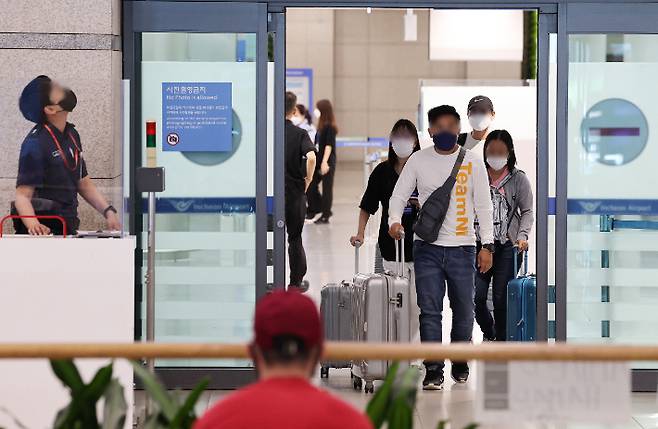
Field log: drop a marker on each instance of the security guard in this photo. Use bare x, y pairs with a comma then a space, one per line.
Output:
51, 169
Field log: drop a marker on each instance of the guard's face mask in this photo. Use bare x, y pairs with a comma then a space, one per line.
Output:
69, 101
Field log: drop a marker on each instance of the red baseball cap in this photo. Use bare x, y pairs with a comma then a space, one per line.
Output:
287, 313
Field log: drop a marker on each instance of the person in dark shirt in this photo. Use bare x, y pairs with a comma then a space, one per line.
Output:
326, 140
287, 345
403, 143
51, 168
298, 177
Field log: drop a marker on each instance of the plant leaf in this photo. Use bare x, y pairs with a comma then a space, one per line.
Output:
62, 417
442, 424
187, 409
377, 408
99, 384
68, 373
472, 426
156, 391
115, 407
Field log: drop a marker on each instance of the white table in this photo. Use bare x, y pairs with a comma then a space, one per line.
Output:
61, 290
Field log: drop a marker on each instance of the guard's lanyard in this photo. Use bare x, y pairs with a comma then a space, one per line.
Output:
76, 152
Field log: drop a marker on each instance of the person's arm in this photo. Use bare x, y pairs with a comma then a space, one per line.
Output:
364, 216
525, 199
90, 193
330, 143
308, 151
484, 211
404, 187
31, 175
310, 169
23, 203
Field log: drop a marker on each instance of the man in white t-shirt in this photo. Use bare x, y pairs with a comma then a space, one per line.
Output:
480, 116
451, 260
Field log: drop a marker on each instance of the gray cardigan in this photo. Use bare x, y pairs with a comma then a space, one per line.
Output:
518, 193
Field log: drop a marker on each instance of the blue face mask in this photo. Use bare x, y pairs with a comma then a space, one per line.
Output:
444, 140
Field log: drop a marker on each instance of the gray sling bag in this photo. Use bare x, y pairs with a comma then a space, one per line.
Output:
431, 215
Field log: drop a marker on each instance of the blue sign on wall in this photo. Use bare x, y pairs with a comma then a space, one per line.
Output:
197, 117
300, 82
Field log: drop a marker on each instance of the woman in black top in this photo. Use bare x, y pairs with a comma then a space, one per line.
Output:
403, 143
326, 142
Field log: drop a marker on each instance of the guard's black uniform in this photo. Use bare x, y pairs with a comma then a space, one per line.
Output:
52, 163
298, 144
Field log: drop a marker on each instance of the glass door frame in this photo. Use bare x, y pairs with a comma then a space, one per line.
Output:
547, 24
200, 17
588, 18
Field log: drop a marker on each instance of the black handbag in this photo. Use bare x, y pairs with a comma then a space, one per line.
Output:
432, 214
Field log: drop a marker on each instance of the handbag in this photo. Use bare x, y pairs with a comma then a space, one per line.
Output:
433, 212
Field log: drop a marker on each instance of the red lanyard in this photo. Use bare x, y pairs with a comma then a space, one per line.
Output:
76, 152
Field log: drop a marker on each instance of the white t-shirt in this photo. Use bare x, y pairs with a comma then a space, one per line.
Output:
426, 171
471, 143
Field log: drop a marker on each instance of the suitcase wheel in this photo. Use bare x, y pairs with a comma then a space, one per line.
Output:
324, 372
370, 387
357, 383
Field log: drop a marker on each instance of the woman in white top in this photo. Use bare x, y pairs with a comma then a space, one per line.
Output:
303, 120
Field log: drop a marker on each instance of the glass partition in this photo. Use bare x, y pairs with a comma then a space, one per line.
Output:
612, 289
200, 88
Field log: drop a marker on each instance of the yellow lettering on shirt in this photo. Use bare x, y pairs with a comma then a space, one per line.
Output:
461, 190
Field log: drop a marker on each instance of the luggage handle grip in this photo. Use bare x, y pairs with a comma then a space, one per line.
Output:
516, 261
357, 245
399, 262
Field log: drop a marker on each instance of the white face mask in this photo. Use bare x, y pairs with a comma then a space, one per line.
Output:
297, 120
403, 148
317, 113
497, 163
480, 122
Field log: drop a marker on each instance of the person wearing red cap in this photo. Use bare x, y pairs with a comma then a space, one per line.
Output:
287, 346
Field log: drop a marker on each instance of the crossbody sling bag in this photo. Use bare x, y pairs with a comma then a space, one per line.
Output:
431, 215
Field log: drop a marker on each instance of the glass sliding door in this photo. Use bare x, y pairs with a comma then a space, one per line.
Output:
200, 73
612, 207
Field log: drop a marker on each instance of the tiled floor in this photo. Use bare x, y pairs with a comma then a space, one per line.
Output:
331, 259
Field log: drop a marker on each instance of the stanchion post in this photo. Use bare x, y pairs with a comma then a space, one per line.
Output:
150, 179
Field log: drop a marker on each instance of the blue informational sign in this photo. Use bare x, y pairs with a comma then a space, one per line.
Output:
197, 117
300, 82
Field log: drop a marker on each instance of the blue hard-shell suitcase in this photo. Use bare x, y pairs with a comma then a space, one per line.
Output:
522, 305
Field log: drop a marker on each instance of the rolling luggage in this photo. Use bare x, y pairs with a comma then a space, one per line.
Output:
381, 314
336, 310
522, 304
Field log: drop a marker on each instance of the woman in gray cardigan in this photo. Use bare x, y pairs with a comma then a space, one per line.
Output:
511, 195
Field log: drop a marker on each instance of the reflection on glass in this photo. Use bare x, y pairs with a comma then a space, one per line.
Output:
612, 289
205, 257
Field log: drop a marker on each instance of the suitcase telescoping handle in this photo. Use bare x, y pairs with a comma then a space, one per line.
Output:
516, 261
399, 261
357, 245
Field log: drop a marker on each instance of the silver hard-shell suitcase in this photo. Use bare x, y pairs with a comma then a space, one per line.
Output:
381, 310
336, 309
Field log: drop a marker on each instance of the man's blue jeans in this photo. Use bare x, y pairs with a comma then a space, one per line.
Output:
436, 267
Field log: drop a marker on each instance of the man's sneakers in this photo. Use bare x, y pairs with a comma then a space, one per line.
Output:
459, 372
433, 379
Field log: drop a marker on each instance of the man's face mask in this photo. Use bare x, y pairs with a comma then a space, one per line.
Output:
480, 121
68, 101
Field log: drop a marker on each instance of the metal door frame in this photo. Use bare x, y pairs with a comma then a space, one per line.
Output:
202, 17
636, 17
